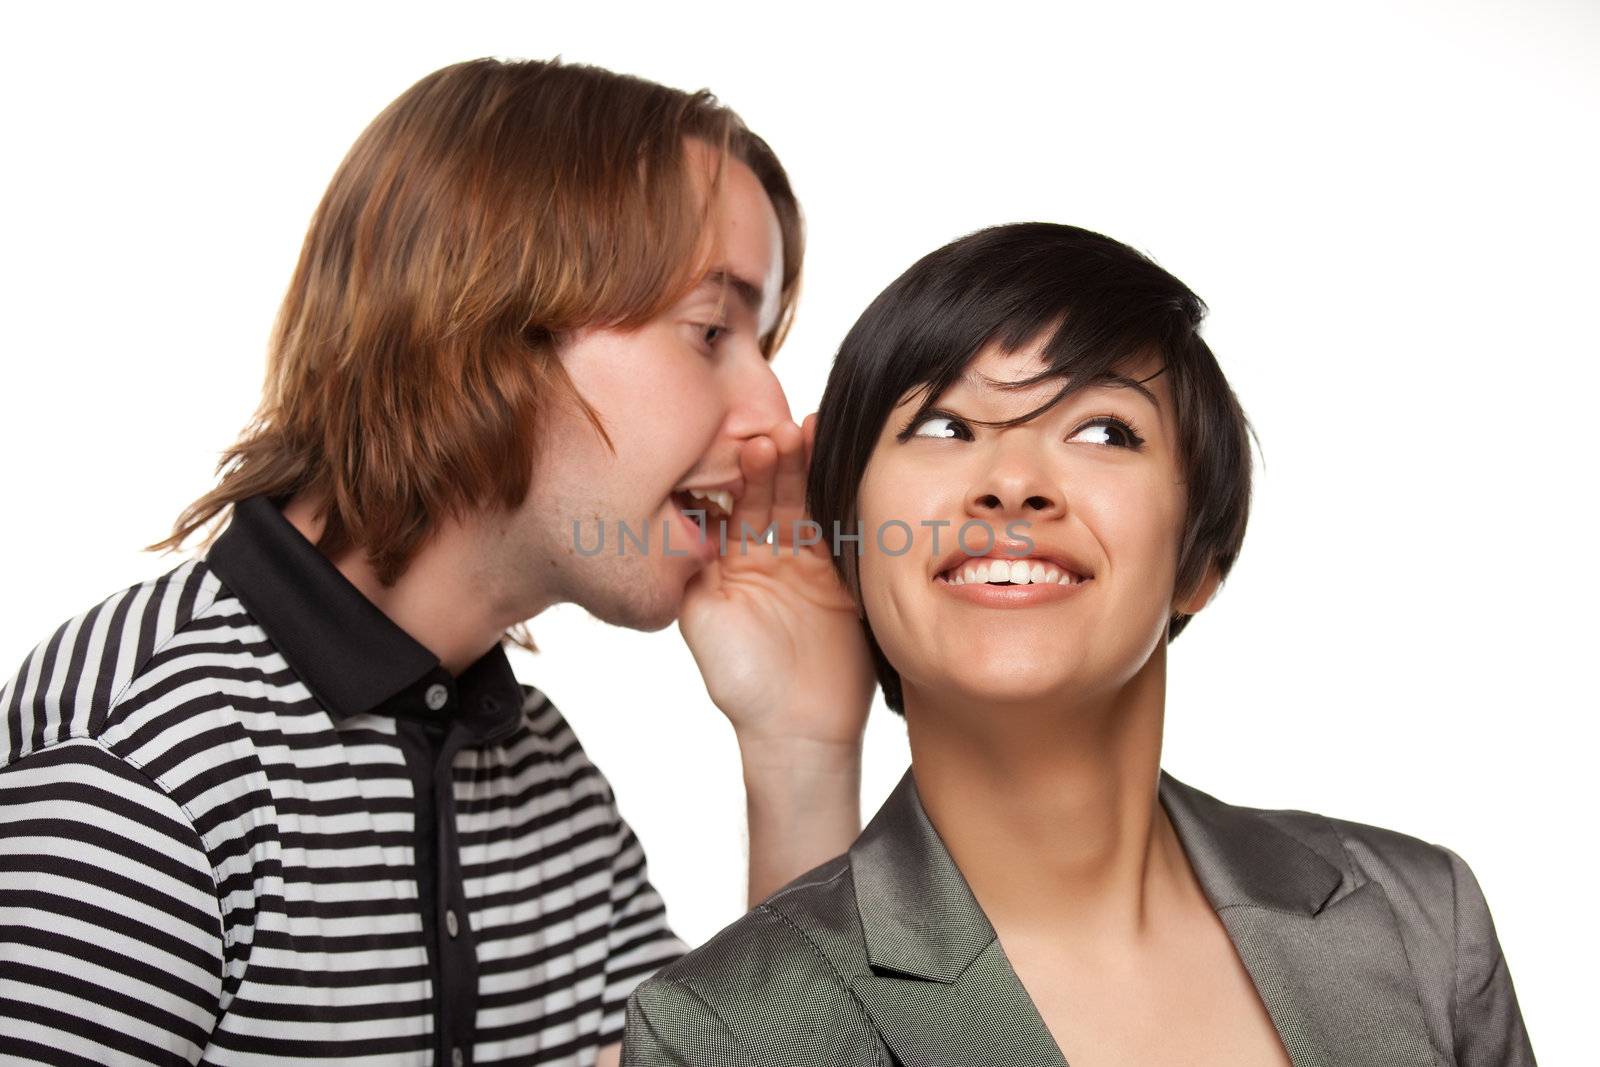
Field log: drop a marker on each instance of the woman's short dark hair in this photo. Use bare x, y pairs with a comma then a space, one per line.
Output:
1099, 306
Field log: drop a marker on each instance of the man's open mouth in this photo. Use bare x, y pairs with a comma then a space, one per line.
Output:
709, 508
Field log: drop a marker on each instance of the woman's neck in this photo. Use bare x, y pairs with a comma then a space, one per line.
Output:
1051, 810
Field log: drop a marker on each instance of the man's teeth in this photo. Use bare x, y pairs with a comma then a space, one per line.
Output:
722, 498
1016, 572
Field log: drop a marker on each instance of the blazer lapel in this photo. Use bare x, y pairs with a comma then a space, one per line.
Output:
985, 1017
1324, 953
941, 991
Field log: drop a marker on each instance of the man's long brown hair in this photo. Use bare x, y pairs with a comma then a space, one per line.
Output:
489, 208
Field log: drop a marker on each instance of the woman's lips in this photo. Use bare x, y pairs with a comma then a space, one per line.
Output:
1007, 595
1004, 551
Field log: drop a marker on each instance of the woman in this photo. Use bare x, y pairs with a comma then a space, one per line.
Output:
1051, 478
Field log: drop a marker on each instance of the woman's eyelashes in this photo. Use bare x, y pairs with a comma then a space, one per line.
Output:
1109, 429
1111, 426
953, 427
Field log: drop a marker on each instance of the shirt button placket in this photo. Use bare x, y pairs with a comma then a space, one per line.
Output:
459, 969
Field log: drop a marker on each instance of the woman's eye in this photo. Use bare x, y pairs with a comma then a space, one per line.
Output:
940, 426
1109, 430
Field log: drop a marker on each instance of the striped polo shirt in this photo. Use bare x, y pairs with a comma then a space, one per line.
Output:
246, 819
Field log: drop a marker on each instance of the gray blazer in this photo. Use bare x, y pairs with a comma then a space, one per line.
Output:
1369, 948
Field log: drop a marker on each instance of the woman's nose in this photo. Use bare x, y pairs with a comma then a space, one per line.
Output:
1014, 486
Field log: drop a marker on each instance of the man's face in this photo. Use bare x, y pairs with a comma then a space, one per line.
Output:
678, 397
1096, 501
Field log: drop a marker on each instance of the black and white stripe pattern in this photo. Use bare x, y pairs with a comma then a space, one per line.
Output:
199, 864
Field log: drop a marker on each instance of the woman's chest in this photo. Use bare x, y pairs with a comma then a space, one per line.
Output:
1192, 1003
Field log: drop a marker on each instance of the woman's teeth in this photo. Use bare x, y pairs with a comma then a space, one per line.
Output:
1014, 572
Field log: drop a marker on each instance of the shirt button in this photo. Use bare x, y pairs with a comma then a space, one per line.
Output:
436, 697
450, 923
456, 1058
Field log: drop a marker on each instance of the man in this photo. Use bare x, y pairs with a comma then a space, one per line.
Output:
287, 803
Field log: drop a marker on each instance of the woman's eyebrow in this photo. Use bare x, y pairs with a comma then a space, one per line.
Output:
1119, 381
1107, 380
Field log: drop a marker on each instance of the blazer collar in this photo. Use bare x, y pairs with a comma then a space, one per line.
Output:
939, 978
925, 922
918, 916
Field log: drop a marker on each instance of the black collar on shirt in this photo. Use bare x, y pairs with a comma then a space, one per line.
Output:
351, 656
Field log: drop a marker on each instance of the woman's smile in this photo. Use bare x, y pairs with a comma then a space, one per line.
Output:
1007, 582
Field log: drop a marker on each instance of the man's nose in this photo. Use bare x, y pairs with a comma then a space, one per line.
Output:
756, 402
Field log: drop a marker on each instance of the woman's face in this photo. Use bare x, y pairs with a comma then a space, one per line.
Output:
1094, 483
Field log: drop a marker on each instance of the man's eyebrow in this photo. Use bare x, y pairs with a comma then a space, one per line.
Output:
748, 292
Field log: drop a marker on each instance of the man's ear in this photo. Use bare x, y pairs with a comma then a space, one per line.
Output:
1191, 604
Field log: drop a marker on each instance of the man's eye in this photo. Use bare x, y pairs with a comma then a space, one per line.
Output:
940, 426
1110, 430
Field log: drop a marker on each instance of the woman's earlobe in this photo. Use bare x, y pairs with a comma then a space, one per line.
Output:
1204, 594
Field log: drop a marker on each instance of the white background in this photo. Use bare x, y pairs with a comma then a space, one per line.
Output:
1389, 207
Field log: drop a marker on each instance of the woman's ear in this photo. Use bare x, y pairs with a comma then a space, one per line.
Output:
1191, 604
